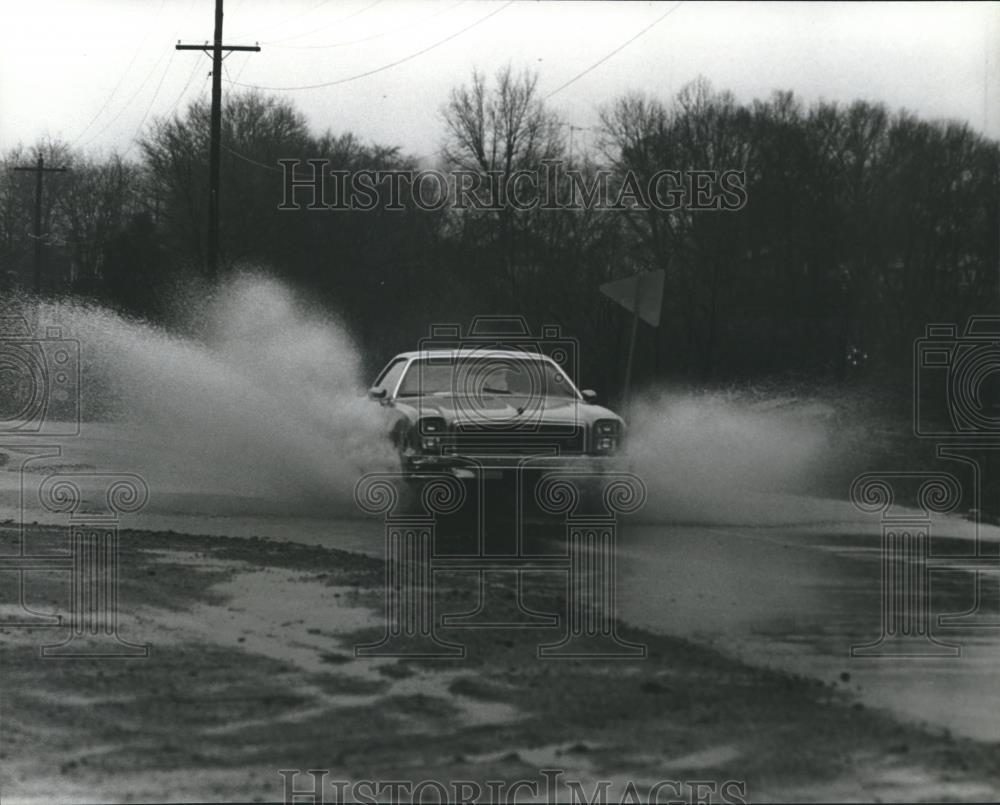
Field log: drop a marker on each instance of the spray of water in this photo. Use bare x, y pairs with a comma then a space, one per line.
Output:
260, 400
716, 458
252, 402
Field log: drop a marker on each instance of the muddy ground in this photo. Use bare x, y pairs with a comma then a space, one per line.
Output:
252, 669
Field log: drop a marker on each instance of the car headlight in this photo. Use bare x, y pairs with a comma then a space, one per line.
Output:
430, 433
607, 436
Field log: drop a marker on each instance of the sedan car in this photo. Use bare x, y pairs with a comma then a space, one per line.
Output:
492, 412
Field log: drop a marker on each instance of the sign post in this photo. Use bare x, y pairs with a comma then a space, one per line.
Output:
641, 294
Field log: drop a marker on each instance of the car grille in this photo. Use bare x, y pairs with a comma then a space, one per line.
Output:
474, 439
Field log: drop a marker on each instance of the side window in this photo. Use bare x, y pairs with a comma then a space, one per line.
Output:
390, 375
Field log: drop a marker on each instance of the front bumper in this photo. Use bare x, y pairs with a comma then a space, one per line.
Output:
496, 466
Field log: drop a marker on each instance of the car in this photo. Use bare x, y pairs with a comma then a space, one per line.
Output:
492, 413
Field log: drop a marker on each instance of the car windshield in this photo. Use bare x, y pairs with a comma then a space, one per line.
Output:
486, 376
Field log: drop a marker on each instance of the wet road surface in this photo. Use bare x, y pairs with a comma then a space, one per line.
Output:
798, 601
793, 589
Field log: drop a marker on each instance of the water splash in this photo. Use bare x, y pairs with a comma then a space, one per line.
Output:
252, 403
716, 458
256, 395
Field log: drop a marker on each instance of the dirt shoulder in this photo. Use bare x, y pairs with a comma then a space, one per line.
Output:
252, 670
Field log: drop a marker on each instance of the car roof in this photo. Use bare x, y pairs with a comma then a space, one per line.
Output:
475, 352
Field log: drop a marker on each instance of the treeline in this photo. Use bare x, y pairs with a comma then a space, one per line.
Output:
860, 226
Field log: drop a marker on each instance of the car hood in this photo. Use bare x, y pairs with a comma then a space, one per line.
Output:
502, 409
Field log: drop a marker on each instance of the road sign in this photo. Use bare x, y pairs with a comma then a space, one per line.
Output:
641, 294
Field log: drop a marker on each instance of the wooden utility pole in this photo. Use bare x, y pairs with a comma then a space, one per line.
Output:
216, 49
39, 170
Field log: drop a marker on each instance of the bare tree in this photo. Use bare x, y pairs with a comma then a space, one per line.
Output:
503, 128
702, 130
94, 206
257, 131
493, 132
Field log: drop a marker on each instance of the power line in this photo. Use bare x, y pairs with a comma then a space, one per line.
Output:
272, 168
287, 20
152, 100
134, 95
618, 49
180, 97
238, 155
194, 71
407, 27
121, 80
243, 67
384, 66
128, 103
337, 21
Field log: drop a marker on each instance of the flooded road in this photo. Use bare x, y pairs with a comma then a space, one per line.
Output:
798, 598
793, 586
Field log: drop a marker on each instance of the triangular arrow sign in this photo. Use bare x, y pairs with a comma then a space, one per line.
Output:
641, 294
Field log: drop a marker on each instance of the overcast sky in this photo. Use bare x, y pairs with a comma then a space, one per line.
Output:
95, 72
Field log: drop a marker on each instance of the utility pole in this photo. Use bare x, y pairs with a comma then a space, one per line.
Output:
39, 170
573, 128
216, 49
